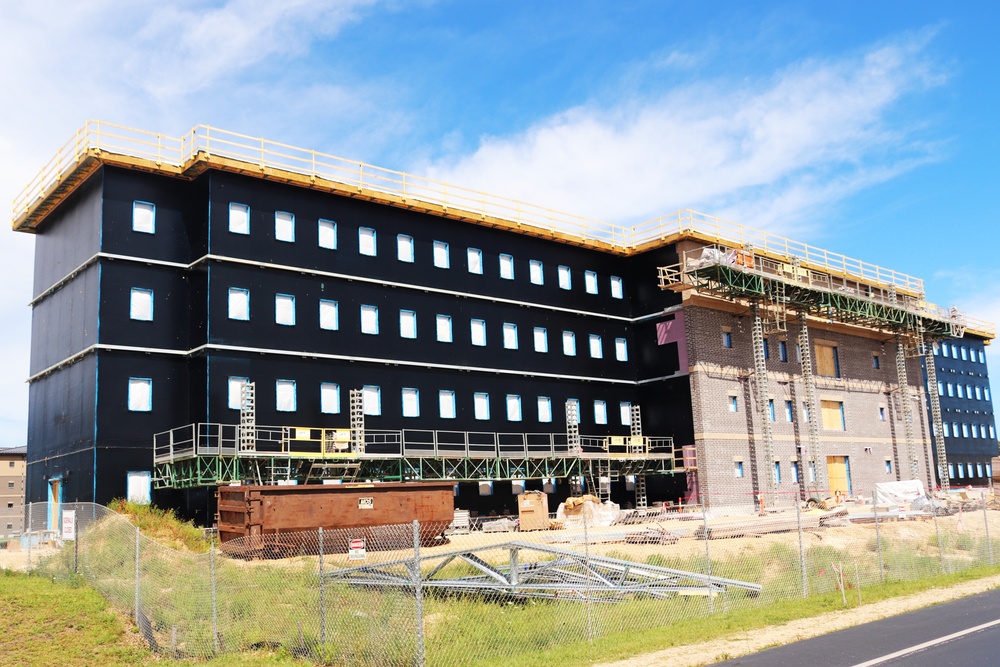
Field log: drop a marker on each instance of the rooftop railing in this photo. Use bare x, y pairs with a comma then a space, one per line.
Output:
204, 142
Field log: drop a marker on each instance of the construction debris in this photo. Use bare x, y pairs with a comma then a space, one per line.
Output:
812, 519
657, 535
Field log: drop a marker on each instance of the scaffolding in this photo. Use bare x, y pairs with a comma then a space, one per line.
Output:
772, 285
248, 416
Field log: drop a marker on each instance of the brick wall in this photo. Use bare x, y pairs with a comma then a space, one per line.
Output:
872, 411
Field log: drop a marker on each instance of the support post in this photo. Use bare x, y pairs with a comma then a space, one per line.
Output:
215, 601
802, 549
586, 559
708, 560
418, 592
878, 539
322, 601
136, 577
986, 524
27, 525
937, 532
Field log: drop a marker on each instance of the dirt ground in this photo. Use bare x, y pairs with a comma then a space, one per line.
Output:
735, 646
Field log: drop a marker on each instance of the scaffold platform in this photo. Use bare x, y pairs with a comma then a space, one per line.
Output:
206, 454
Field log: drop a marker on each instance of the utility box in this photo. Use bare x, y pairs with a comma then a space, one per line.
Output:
533, 510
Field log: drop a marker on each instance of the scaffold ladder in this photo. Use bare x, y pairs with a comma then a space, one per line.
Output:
601, 478
760, 386
248, 417
573, 427
906, 406
357, 406
811, 453
641, 501
635, 420
937, 423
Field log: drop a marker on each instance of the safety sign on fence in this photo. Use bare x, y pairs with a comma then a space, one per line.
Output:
356, 550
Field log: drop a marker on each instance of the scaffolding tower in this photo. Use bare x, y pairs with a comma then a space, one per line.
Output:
248, 417
635, 428
357, 407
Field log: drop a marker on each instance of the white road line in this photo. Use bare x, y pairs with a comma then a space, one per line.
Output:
921, 647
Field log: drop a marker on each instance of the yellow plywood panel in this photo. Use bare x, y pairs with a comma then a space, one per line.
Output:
826, 360
836, 471
833, 415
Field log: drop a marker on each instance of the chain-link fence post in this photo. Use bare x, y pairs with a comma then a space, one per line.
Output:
802, 548
586, 563
986, 523
215, 600
322, 601
137, 577
708, 558
878, 540
418, 591
937, 531
76, 550
27, 531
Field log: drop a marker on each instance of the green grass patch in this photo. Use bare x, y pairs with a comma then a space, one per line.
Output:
162, 525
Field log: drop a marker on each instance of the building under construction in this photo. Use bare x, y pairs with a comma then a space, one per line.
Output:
215, 307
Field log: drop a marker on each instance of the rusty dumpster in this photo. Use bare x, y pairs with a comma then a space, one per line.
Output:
275, 521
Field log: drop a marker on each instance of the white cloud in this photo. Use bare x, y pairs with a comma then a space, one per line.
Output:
763, 153
158, 66
182, 49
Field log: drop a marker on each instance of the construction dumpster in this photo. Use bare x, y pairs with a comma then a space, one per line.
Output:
268, 515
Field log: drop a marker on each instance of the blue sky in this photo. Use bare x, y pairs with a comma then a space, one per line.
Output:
866, 128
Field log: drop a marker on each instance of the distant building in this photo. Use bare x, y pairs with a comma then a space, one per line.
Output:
12, 477
396, 328
968, 423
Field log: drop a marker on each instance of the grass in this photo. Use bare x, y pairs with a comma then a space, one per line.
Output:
163, 526
67, 623
278, 602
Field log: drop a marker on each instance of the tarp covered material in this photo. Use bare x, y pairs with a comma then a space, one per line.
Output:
899, 493
572, 512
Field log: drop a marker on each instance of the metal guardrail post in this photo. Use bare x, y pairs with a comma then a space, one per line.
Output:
418, 593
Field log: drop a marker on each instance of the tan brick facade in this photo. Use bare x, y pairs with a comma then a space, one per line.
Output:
12, 469
728, 434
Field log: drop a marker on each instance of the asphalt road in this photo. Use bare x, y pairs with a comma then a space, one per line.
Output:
875, 643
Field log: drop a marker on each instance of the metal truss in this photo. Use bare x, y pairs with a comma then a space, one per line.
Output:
526, 570
741, 276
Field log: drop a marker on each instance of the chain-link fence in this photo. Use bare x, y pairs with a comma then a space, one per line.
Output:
428, 594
